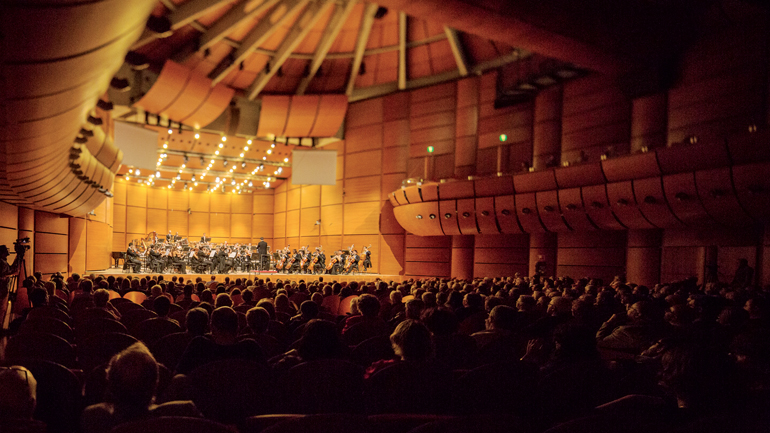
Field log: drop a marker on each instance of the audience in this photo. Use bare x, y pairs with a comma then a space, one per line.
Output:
691, 352
18, 397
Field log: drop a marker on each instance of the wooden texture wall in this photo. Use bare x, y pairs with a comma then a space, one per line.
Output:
235, 218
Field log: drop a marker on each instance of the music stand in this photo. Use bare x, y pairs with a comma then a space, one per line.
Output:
264, 262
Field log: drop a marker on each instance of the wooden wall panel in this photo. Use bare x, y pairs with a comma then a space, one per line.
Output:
364, 113
365, 138
240, 226
118, 243
136, 220
279, 225
331, 194
77, 245
241, 204
310, 196
177, 222
50, 223
52, 263
263, 203
199, 201
157, 198
363, 164
394, 160
391, 255
219, 225
220, 203
292, 199
362, 218
678, 263
292, 223
119, 218
280, 202
157, 221
199, 223
119, 192
331, 220
362, 189
307, 222
99, 238
395, 133
262, 226
136, 195
50, 243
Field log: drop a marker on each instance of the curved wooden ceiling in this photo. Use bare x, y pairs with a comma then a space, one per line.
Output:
314, 46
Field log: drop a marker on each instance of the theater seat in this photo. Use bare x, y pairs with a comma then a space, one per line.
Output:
92, 327
58, 395
172, 424
325, 423
98, 349
169, 349
151, 330
410, 387
133, 318
503, 387
371, 350
324, 386
47, 325
40, 346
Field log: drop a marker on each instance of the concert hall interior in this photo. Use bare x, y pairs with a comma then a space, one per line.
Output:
470, 138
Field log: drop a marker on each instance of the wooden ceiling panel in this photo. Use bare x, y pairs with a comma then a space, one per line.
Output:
441, 57
387, 69
415, 29
346, 40
478, 49
418, 62
274, 41
309, 44
216, 54
244, 28
211, 17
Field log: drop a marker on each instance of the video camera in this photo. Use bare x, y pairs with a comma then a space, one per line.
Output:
21, 245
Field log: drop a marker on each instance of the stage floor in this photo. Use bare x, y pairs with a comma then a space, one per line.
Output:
273, 276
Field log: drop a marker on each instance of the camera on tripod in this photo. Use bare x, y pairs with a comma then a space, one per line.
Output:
21, 245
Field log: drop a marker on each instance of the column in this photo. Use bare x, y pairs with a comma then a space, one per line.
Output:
462, 257
643, 257
546, 140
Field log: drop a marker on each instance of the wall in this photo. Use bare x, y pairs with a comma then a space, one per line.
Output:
235, 218
719, 91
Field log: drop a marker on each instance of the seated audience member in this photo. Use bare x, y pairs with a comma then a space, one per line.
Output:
221, 344
102, 302
411, 341
457, 351
633, 332
132, 379
559, 312
18, 397
187, 301
369, 307
526, 311
412, 311
319, 341
196, 322
499, 324
308, 311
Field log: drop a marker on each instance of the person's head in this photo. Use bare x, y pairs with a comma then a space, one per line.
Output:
224, 321
368, 305
223, 300
502, 317
197, 321
644, 311
317, 297
101, 297
474, 301
395, 297
559, 305
132, 377
38, 297
440, 321
161, 305
86, 285
319, 341
156, 291
573, 342
414, 309
412, 341
267, 304
18, 392
309, 310
258, 319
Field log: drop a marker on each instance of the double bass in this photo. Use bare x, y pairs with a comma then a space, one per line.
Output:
334, 259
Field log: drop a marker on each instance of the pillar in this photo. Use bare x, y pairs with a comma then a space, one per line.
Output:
545, 245
546, 139
462, 257
643, 256
649, 116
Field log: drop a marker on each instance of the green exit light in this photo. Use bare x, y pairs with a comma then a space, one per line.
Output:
431, 149
503, 137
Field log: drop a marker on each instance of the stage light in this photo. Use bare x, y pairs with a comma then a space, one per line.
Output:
264, 158
272, 145
197, 136
170, 131
250, 184
136, 172
233, 182
224, 138
165, 145
179, 177
248, 141
183, 166
203, 160
186, 159
286, 159
225, 163
157, 174
243, 164
241, 155
216, 153
246, 148
128, 178
269, 151
217, 179
193, 178
221, 145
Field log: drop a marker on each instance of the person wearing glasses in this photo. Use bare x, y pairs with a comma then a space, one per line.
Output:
18, 398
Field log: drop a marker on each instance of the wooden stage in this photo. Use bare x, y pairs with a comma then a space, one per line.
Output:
264, 275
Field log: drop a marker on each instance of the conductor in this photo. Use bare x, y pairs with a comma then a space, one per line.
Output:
264, 259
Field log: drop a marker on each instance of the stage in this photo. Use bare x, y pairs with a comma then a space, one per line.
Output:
272, 275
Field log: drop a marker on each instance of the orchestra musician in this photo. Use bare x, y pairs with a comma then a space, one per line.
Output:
352, 262
177, 261
132, 259
169, 236
367, 262
155, 260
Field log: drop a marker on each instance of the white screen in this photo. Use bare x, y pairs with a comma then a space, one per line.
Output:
313, 167
139, 145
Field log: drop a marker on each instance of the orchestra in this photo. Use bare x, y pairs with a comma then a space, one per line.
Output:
176, 254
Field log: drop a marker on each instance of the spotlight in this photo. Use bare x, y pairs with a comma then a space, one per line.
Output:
157, 174
250, 184
137, 172
179, 177
233, 182
272, 145
193, 178
245, 148
269, 151
217, 179
197, 136
225, 163
241, 155
243, 164
216, 153
264, 158
170, 131
165, 145
224, 138
248, 141
286, 159
221, 145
